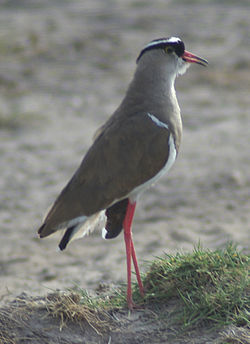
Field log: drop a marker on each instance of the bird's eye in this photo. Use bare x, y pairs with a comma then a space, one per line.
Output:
169, 50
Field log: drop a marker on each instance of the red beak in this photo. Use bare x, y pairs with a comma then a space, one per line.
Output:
191, 58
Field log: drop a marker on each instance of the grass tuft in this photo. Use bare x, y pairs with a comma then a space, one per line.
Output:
76, 308
211, 286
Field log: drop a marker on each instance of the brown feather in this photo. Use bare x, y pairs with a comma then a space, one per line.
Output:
127, 153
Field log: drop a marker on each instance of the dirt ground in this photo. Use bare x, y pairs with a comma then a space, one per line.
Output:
31, 321
64, 68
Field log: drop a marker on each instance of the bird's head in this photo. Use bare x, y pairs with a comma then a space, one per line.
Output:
173, 50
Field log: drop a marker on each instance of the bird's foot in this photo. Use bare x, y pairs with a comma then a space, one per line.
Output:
132, 305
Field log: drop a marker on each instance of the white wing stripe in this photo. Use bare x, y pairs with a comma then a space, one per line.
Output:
157, 121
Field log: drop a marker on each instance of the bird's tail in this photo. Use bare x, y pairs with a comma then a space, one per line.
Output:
87, 225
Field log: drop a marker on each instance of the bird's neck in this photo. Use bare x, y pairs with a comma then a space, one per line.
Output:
152, 91
155, 82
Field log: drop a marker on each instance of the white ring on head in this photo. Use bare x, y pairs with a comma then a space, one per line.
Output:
173, 40
162, 41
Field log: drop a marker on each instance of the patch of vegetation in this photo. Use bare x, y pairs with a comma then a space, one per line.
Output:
234, 335
74, 307
182, 292
209, 287
212, 286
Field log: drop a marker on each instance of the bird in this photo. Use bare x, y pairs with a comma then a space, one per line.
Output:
136, 146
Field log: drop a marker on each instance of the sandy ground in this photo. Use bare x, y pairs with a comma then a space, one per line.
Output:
64, 68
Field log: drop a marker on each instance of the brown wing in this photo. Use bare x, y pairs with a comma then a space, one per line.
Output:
126, 154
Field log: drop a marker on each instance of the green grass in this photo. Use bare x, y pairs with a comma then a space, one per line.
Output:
206, 288
210, 286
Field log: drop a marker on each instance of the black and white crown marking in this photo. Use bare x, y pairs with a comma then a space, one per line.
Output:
162, 43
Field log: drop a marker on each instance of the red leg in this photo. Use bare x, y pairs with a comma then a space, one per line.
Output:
137, 269
130, 252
